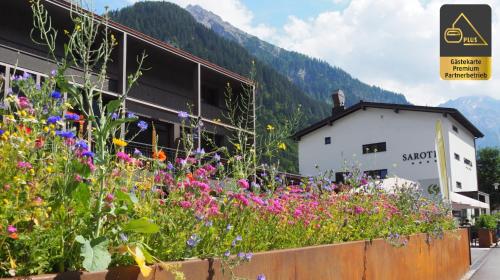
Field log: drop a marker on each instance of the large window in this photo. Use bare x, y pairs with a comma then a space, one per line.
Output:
374, 148
376, 174
341, 176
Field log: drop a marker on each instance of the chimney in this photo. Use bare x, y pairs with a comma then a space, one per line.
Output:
338, 102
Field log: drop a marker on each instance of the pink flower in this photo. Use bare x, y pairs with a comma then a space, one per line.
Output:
243, 184
185, 204
78, 178
24, 165
11, 229
23, 102
124, 156
109, 197
297, 213
358, 210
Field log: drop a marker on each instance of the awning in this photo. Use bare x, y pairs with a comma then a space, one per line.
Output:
459, 202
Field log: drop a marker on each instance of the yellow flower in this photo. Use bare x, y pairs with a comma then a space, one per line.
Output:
140, 259
45, 129
270, 127
238, 147
66, 32
282, 146
119, 142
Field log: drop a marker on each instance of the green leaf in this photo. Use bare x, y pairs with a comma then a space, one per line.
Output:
121, 196
141, 226
96, 256
113, 105
81, 195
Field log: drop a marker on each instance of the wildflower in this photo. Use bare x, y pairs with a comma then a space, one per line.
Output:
241, 255
185, 204
358, 210
56, 95
142, 125
119, 142
23, 102
131, 115
243, 183
282, 146
114, 116
2, 132
237, 146
24, 165
137, 153
38, 201
261, 277
72, 117
109, 197
248, 256
208, 223
200, 151
161, 156
123, 156
88, 154
227, 253
39, 143
53, 72
123, 237
81, 144
229, 227
170, 166
238, 238
65, 134
270, 127
183, 115
11, 229
193, 240
217, 157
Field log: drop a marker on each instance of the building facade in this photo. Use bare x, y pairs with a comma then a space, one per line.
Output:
387, 140
175, 80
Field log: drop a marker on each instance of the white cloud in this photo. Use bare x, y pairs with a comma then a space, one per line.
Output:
232, 11
390, 43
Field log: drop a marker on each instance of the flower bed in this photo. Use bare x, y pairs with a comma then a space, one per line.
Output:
446, 258
74, 200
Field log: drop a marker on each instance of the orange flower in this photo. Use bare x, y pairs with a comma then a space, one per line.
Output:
13, 235
190, 177
161, 156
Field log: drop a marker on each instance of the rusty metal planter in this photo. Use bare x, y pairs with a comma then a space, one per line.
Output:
446, 258
485, 237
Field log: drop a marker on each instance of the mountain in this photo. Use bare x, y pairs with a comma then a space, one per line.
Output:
315, 77
277, 97
484, 113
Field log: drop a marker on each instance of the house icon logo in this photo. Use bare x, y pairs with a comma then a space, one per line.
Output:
468, 36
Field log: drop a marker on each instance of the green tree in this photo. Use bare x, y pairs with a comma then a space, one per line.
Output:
488, 168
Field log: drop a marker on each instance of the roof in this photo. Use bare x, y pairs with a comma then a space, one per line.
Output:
363, 105
122, 28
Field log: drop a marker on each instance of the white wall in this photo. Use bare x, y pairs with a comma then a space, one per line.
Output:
405, 132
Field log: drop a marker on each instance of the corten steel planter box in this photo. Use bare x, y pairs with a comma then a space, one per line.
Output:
485, 237
446, 258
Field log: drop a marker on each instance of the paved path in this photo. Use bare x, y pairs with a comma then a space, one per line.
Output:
490, 269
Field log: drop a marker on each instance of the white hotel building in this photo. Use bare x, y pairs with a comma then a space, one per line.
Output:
393, 140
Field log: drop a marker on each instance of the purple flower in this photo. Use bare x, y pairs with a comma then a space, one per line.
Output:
26, 75
238, 238
193, 240
65, 134
56, 94
137, 153
123, 237
88, 154
131, 115
208, 223
248, 256
229, 227
170, 166
183, 115
142, 125
2, 132
227, 253
53, 72
114, 116
53, 119
72, 117
241, 255
81, 144
261, 277
217, 157
200, 151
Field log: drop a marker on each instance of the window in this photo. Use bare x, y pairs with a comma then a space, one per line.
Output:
340, 176
468, 162
328, 140
459, 185
457, 157
374, 148
376, 174
455, 129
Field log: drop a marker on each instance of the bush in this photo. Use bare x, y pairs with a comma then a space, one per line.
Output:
487, 221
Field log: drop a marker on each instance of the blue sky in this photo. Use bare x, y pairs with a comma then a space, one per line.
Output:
393, 44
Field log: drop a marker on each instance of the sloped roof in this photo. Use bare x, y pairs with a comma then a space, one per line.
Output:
362, 105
